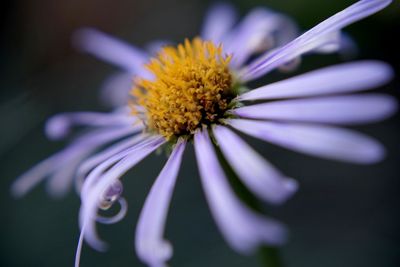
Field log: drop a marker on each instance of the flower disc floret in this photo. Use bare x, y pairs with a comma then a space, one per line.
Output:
191, 87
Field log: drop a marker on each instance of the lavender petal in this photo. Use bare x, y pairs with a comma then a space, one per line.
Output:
353, 109
219, 20
316, 140
59, 126
105, 175
151, 247
263, 179
342, 78
65, 161
111, 50
260, 30
312, 38
242, 228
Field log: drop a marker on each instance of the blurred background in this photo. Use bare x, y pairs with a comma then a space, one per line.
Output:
343, 215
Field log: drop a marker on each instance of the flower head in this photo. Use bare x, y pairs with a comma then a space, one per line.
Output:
192, 86
198, 91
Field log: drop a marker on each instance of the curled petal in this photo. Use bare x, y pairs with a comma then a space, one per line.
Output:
242, 228
100, 180
354, 109
150, 244
311, 39
342, 78
117, 217
263, 179
317, 140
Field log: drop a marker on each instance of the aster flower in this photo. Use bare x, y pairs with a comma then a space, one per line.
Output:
260, 30
197, 92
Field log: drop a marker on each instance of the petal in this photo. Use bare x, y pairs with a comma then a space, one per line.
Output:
111, 50
310, 39
115, 90
353, 109
321, 141
59, 126
258, 31
64, 161
242, 228
151, 247
105, 175
154, 46
62, 178
254, 171
96, 159
342, 78
219, 20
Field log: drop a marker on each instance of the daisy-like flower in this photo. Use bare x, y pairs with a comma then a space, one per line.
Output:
260, 30
197, 91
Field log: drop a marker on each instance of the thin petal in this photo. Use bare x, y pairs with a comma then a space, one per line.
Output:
106, 174
115, 90
96, 159
242, 228
309, 40
263, 179
60, 125
316, 140
60, 181
151, 247
219, 20
342, 78
65, 160
260, 30
154, 46
111, 50
354, 109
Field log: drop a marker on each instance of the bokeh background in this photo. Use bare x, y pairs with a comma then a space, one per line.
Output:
343, 215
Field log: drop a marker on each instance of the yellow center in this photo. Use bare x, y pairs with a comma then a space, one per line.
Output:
191, 87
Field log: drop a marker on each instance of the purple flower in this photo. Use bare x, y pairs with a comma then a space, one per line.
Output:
198, 89
260, 30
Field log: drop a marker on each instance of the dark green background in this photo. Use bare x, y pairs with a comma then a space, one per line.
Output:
343, 215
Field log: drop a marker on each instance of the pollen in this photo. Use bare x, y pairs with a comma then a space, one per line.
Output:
191, 87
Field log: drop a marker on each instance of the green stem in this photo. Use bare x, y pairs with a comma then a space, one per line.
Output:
269, 256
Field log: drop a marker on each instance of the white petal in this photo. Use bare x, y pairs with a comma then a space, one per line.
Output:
219, 20
151, 247
317, 140
106, 174
242, 228
112, 50
343, 78
263, 179
353, 109
311, 39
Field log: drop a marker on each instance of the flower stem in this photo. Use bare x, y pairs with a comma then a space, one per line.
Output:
270, 257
